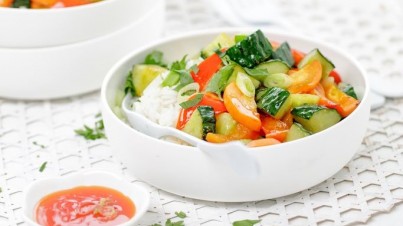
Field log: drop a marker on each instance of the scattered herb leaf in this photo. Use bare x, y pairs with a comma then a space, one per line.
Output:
184, 78
92, 133
170, 223
192, 102
179, 65
129, 86
245, 222
171, 79
39, 145
181, 214
257, 73
42, 167
219, 80
155, 58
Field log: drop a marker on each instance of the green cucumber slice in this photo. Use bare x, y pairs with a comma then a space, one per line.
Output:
275, 102
327, 65
221, 41
274, 66
201, 122
315, 118
304, 99
296, 132
225, 124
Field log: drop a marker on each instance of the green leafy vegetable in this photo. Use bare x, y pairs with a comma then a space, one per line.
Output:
155, 58
184, 79
170, 223
22, 4
257, 73
219, 80
129, 86
180, 214
245, 222
251, 51
92, 133
348, 89
192, 102
171, 79
306, 111
39, 145
42, 167
283, 52
179, 65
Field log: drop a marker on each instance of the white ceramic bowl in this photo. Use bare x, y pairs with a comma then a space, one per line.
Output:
54, 72
38, 189
285, 168
51, 27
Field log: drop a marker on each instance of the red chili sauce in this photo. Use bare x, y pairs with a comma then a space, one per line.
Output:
85, 206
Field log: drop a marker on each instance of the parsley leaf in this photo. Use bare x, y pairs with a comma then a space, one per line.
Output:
179, 65
155, 58
43, 166
129, 86
92, 133
184, 79
170, 223
245, 222
192, 102
37, 144
180, 214
220, 79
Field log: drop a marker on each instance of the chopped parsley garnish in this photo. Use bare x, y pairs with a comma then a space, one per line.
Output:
179, 65
181, 214
92, 133
245, 222
39, 145
43, 167
129, 86
155, 58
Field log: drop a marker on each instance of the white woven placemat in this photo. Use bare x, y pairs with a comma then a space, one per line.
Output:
372, 182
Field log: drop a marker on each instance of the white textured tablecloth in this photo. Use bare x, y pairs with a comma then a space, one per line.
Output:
371, 183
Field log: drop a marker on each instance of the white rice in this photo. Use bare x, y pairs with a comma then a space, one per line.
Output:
159, 104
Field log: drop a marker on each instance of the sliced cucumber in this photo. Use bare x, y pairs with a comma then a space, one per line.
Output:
304, 99
280, 80
283, 52
201, 122
274, 66
315, 118
327, 65
225, 124
275, 102
143, 75
221, 41
296, 132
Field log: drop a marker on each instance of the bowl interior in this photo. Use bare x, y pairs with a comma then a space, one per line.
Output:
175, 48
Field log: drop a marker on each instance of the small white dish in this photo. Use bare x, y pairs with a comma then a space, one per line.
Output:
38, 189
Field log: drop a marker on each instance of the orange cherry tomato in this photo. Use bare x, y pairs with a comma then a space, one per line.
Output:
274, 128
240, 132
241, 107
297, 55
306, 78
6, 3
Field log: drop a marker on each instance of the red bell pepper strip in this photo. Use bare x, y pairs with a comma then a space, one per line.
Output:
209, 99
207, 69
335, 76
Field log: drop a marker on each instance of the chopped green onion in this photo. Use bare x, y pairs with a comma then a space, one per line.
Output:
184, 92
245, 84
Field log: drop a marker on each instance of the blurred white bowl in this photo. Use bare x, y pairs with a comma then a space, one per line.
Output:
285, 168
54, 72
28, 28
39, 189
